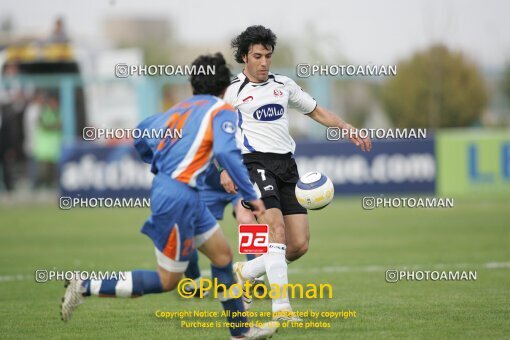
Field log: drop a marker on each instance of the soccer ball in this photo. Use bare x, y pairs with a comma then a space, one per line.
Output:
314, 190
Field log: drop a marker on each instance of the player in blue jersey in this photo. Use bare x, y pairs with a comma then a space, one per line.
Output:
216, 198
180, 221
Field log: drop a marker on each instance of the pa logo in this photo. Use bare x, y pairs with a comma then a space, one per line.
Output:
253, 238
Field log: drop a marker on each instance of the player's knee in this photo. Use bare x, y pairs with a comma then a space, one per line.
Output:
245, 218
169, 281
296, 250
168, 285
303, 249
222, 258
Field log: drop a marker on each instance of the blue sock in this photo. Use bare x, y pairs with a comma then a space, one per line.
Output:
250, 257
133, 284
224, 276
193, 272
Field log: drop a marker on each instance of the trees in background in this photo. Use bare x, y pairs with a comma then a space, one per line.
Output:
435, 88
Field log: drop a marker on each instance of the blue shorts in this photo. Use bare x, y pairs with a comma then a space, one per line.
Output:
217, 200
180, 222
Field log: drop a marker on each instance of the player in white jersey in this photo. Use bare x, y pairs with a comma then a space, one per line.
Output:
261, 100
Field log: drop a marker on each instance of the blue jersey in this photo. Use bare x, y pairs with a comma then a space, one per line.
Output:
208, 128
212, 179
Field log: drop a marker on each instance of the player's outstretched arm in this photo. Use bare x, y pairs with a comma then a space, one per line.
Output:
329, 119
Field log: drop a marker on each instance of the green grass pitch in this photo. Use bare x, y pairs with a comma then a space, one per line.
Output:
350, 249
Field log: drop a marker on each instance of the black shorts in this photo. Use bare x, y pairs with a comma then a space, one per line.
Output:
276, 176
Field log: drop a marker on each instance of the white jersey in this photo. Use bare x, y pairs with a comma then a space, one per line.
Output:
262, 112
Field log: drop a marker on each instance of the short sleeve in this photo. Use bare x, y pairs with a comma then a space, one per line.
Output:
230, 96
299, 99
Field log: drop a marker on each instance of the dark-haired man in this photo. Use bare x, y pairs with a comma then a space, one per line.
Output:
262, 99
180, 220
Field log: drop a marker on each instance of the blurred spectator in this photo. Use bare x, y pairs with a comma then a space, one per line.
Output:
47, 141
59, 34
7, 154
30, 124
13, 101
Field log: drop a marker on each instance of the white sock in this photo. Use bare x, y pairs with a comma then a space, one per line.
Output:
254, 268
276, 270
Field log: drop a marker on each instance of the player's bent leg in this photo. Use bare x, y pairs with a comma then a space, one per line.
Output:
245, 216
193, 272
297, 235
169, 280
274, 219
126, 284
216, 248
274, 259
249, 271
295, 217
255, 268
259, 282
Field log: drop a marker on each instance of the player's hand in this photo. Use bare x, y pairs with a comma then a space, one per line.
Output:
227, 183
257, 207
364, 143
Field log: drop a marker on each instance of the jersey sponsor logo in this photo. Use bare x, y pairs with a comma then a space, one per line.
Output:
268, 187
247, 99
269, 112
253, 238
228, 127
278, 93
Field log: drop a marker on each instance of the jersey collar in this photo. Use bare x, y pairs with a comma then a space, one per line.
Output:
244, 79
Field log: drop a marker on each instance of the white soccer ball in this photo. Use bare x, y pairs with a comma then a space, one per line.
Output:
314, 190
